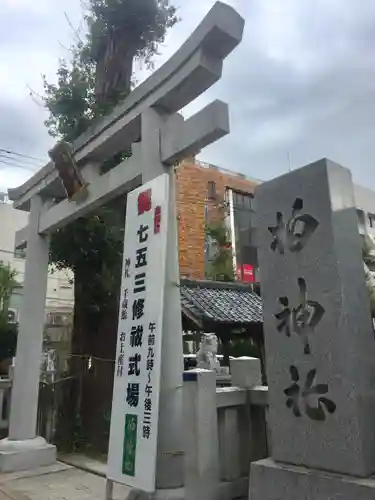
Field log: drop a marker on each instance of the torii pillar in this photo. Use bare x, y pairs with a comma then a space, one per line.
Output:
23, 449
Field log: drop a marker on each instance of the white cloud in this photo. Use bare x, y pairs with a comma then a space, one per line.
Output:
32, 40
300, 85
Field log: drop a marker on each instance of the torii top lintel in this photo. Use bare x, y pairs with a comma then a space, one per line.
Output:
195, 67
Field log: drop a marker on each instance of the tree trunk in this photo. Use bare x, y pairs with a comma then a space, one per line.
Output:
68, 425
97, 341
114, 71
97, 384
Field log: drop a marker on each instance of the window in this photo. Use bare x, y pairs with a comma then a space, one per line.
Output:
57, 319
242, 201
206, 212
237, 199
66, 284
243, 236
20, 253
211, 190
210, 248
371, 220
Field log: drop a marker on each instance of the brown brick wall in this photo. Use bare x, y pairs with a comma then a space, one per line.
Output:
191, 192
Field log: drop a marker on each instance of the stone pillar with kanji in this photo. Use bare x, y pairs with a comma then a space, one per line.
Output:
320, 346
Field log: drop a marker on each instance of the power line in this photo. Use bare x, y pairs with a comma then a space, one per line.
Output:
23, 167
19, 160
8, 151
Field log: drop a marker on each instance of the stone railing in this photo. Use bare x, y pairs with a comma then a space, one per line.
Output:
225, 430
5, 390
224, 427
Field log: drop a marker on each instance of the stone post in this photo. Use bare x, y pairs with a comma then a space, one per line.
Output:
320, 347
200, 431
5, 386
22, 449
246, 372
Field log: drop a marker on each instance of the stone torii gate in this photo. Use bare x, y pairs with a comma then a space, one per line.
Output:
147, 121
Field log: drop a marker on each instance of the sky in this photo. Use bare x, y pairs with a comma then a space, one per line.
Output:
300, 87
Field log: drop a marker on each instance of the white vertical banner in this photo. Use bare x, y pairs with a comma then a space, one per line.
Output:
135, 404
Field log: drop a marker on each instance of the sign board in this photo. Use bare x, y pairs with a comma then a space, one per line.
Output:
248, 273
135, 405
66, 166
245, 273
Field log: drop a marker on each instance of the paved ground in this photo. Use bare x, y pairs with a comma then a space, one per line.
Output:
6, 494
58, 482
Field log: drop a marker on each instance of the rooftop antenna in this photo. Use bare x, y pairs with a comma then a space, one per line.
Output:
289, 162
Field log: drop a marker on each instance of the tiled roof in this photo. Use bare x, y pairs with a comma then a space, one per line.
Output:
220, 302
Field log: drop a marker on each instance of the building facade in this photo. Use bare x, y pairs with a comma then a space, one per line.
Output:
365, 202
60, 292
206, 193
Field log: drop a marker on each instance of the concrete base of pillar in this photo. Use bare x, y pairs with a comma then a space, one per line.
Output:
273, 481
165, 494
25, 455
226, 490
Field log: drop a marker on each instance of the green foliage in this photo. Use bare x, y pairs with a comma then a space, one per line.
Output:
221, 266
8, 339
95, 79
139, 26
73, 441
92, 246
129, 27
92, 249
79, 439
71, 100
8, 332
8, 283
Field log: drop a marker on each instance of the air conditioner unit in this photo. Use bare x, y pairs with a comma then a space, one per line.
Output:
12, 316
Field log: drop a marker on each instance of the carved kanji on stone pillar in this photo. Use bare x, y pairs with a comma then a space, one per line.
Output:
298, 397
302, 319
295, 233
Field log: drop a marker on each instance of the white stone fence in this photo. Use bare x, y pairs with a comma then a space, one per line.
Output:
225, 430
224, 427
5, 390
